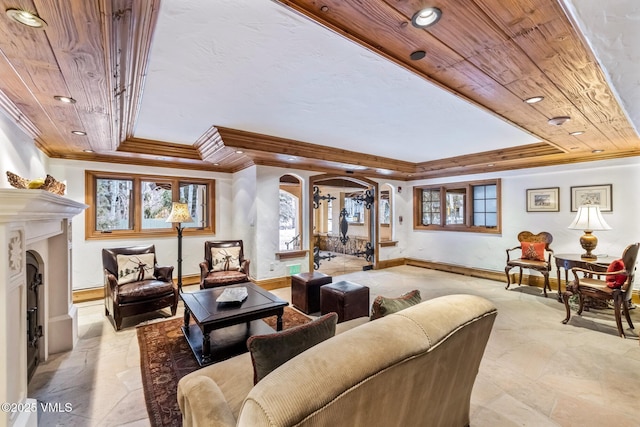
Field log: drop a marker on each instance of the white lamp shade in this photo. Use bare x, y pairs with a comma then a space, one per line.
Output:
179, 213
589, 218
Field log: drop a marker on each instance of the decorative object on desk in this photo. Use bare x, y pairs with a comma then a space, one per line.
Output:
589, 219
49, 183
179, 214
592, 195
543, 199
165, 357
233, 295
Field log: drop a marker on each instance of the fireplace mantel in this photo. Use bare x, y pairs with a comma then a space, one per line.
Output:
36, 205
39, 222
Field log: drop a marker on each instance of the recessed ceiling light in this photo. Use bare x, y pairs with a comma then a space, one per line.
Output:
558, 121
78, 132
491, 165
324, 8
26, 18
576, 133
534, 99
597, 151
426, 17
417, 55
64, 99
216, 164
239, 151
88, 150
291, 159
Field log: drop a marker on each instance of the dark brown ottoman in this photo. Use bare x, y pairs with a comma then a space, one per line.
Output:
348, 299
305, 290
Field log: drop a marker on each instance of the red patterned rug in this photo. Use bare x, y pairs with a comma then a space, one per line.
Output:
165, 357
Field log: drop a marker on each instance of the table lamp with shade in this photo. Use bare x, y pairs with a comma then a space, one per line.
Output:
589, 219
179, 214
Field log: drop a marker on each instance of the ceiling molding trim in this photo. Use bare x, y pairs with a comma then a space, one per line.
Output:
18, 118
522, 153
272, 144
115, 158
159, 148
128, 30
209, 144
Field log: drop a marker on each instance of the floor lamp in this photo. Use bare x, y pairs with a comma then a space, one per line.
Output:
179, 214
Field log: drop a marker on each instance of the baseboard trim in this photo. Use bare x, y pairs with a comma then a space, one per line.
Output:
90, 294
452, 268
386, 263
274, 283
93, 294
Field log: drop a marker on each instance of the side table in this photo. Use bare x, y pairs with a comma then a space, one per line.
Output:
568, 261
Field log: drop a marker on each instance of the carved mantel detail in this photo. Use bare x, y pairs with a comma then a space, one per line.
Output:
15, 252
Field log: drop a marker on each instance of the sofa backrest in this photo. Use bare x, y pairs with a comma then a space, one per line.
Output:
412, 368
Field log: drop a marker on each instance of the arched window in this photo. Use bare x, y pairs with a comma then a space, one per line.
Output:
290, 213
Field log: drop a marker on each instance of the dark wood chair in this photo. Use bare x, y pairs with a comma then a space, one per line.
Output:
596, 288
135, 284
224, 264
530, 258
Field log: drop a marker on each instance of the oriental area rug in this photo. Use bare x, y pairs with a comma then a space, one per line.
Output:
165, 357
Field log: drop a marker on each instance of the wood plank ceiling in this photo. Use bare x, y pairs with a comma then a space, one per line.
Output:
493, 53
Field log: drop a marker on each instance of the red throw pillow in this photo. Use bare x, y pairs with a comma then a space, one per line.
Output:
533, 251
616, 280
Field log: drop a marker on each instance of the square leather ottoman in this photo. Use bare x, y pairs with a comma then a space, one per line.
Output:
305, 290
348, 299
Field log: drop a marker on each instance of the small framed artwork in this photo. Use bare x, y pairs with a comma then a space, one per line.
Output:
543, 199
592, 194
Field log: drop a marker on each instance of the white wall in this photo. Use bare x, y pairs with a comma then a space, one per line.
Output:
247, 208
19, 154
87, 254
487, 251
267, 221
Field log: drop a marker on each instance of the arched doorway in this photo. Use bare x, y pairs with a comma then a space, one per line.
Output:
343, 217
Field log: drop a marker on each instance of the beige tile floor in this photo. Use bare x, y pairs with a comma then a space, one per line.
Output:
535, 372
341, 264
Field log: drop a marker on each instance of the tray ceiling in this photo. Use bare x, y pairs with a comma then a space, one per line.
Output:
326, 86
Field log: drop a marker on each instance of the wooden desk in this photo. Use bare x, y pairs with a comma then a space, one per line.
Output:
567, 261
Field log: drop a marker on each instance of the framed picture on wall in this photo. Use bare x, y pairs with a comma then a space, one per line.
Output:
592, 194
543, 199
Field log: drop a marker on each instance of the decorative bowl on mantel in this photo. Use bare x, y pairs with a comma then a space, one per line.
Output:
49, 184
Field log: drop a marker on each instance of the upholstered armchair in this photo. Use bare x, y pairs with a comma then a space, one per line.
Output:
535, 254
135, 284
224, 264
615, 284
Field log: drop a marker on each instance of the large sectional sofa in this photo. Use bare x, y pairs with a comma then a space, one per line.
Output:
415, 367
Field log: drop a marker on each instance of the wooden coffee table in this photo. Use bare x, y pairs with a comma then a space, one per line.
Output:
225, 327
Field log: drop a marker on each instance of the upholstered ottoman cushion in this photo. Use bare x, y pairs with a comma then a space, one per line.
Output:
348, 299
305, 290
